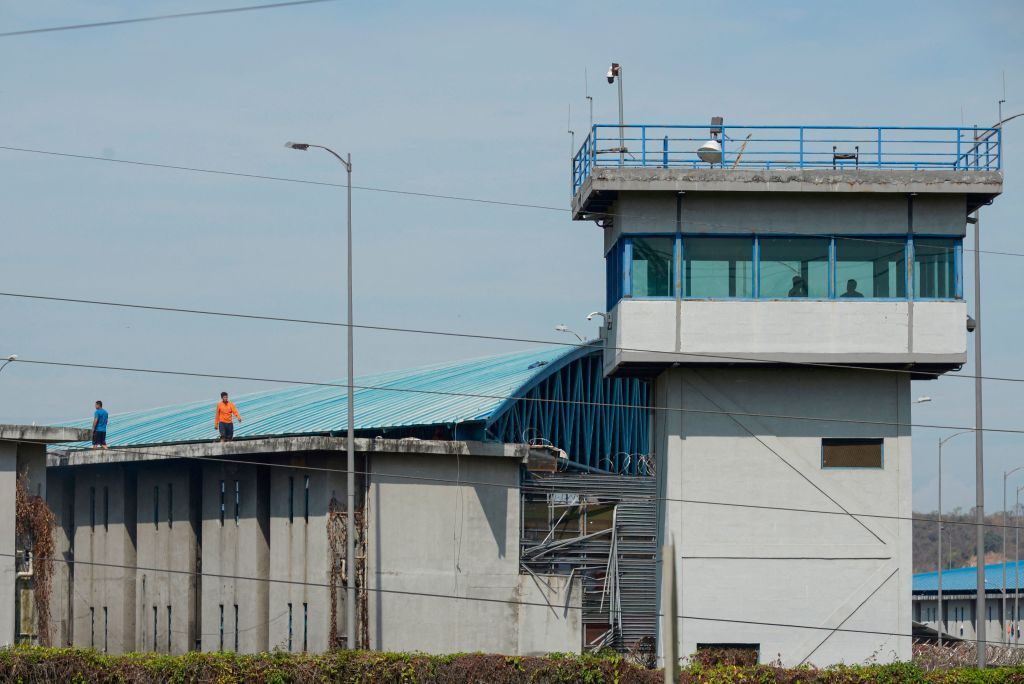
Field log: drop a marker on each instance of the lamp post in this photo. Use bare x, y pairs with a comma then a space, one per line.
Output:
563, 328
350, 484
1016, 569
942, 618
1006, 474
615, 74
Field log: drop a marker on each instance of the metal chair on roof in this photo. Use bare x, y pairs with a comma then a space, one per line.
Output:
846, 156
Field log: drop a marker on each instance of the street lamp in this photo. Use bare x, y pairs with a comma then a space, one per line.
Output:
615, 74
563, 328
1016, 569
979, 458
10, 359
942, 621
350, 486
1006, 475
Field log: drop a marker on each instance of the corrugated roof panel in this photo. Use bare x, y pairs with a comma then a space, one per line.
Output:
450, 393
966, 579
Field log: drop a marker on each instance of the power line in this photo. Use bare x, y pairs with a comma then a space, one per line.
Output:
217, 376
459, 198
482, 599
502, 485
671, 355
161, 17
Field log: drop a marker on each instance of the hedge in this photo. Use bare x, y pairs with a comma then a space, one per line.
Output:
74, 666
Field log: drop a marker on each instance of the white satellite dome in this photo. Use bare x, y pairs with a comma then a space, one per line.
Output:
710, 152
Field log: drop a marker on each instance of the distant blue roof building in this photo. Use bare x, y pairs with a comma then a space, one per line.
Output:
555, 395
965, 580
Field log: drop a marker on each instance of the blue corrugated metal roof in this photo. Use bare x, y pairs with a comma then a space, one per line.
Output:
440, 399
966, 579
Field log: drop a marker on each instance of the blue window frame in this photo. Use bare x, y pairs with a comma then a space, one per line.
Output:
888, 267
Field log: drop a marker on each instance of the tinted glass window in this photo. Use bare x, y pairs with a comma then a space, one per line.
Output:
718, 267
870, 267
793, 267
652, 272
934, 268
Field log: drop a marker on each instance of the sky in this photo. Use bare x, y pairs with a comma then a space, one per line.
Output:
468, 99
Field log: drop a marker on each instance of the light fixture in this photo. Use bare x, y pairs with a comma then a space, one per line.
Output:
296, 146
922, 400
710, 152
563, 328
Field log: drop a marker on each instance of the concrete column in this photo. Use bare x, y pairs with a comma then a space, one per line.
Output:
8, 484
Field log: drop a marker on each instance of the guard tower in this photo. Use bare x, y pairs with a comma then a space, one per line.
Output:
782, 285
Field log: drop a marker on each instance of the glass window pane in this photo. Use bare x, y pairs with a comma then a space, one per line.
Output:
652, 266
718, 267
871, 267
934, 268
794, 267
613, 275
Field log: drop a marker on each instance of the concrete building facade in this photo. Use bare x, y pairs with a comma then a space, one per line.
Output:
781, 296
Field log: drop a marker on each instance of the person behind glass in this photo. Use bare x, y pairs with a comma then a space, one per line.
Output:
225, 411
99, 426
799, 288
851, 289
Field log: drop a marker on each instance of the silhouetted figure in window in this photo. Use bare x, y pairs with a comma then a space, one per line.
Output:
851, 289
799, 288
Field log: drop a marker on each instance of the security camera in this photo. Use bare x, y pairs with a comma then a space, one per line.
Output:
613, 71
971, 324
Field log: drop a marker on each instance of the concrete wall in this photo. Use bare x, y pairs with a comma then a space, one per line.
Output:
236, 547
167, 555
823, 331
756, 564
300, 558
959, 615
738, 213
423, 536
60, 496
457, 540
8, 484
104, 587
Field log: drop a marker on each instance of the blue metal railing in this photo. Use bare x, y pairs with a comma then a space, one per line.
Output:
787, 147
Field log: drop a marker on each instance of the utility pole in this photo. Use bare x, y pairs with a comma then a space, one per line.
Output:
979, 457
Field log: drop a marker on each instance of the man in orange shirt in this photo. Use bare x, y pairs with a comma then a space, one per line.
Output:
223, 425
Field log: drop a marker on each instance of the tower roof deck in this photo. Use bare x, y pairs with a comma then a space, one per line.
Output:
728, 158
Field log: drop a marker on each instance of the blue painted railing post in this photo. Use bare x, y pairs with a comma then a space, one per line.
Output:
801, 147
959, 135
879, 148
722, 164
643, 146
664, 152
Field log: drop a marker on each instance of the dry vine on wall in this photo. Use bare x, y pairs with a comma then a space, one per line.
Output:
34, 527
336, 539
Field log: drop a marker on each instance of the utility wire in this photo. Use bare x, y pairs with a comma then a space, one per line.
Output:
482, 599
670, 355
156, 454
161, 17
573, 402
459, 198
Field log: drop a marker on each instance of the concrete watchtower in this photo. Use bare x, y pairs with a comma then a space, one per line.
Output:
782, 285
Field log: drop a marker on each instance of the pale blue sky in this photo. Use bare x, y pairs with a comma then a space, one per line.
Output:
455, 98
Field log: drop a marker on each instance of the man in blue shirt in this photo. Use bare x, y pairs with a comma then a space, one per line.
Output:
99, 427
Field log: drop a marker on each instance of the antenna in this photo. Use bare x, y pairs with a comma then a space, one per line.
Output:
586, 93
572, 134
1004, 97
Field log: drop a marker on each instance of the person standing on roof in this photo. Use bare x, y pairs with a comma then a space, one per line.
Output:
225, 411
99, 426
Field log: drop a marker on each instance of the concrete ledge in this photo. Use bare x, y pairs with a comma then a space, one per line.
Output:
43, 433
980, 185
282, 445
